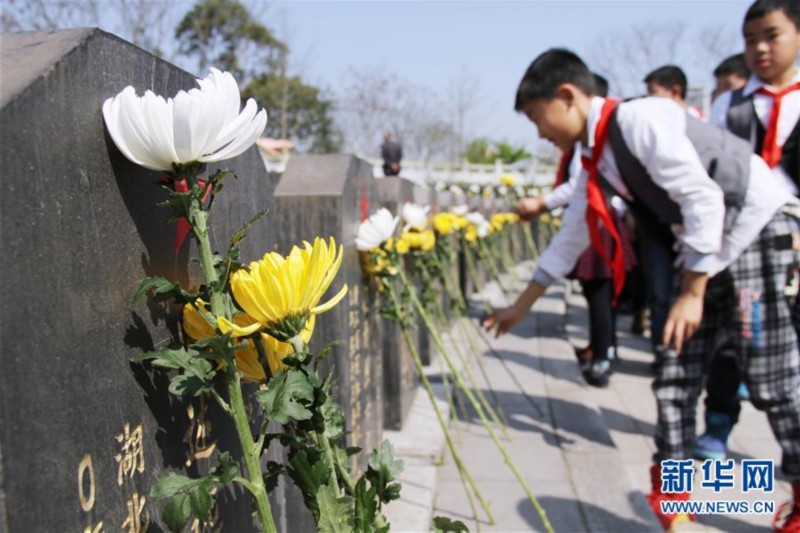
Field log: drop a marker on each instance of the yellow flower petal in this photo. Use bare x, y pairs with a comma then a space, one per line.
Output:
226, 325
330, 303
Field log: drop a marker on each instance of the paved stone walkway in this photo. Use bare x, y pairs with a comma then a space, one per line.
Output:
585, 452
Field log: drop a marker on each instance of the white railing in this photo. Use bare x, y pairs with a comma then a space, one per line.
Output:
528, 172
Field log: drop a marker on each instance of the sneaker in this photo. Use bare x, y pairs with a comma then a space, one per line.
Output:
787, 518
713, 444
598, 373
656, 497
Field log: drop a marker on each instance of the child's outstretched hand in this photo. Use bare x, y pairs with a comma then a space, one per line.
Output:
502, 320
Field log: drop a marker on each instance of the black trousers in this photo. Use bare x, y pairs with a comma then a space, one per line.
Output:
602, 317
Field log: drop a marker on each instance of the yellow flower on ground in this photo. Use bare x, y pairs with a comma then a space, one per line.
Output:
280, 293
508, 180
197, 322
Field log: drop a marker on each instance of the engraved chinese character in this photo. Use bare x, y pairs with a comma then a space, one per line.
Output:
718, 474
758, 474
197, 434
677, 476
138, 519
131, 458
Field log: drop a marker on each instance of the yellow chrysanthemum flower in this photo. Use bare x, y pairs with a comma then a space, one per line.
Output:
512, 218
487, 193
460, 222
444, 223
508, 180
413, 240
197, 325
545, 219
280, 293
556, 222
497, 221
471, 234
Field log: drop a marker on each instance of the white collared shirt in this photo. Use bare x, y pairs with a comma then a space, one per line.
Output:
654, 129
790, 115
559, 197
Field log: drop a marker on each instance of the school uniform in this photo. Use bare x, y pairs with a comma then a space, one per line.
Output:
735, 229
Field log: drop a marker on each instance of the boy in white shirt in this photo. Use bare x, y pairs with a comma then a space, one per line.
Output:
733, 232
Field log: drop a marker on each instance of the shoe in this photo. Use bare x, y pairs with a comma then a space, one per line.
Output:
743, 393
713, 444
598, 373
787, 518
585, 356
613, 356
656, 497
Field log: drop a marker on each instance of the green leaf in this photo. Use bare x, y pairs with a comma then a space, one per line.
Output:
335, 513
177, 512
334, 418
173, 484
443, 524
218, 347
195, 379
201, 500
168, 357
274, 470
226, 469
241, 235
383, 470
326, 351
366, 507
307, 475
163, 289
282, 399
181, 203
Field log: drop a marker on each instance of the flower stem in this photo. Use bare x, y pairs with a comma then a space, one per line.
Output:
478, 409
442, 423
198, 219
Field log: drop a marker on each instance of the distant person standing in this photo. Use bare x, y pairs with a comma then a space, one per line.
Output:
392, 154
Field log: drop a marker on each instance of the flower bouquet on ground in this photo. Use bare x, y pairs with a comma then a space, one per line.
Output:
247, 323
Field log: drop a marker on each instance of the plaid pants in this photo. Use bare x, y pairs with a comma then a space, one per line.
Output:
744, 307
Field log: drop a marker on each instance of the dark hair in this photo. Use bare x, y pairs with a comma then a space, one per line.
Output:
668, 76
761, 8
600, 85
734, 64
548, 72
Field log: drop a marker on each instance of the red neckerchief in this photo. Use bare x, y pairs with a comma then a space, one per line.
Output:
596, 208
771, 152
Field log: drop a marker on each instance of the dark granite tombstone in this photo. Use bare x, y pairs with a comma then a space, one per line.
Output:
83, 432
329, 195
424, 196
399, 375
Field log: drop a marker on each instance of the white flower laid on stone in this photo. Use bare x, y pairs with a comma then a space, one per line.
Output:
415, 216
502, 190
202, 125
439, 186
520, 190
460, 210
475, 188
456, 190
376, 230
483, 229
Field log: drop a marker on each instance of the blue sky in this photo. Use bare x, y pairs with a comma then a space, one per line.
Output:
428, 42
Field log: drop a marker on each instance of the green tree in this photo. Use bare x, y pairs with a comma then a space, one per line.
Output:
485, 151
223, 33
308, 114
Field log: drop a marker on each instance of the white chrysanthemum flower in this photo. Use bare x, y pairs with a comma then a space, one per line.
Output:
502, 190
415, 216
376, 230
202, 125
483, 229
520, 190
476, 218
439, 186
460, 210
475, 188
456, 190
